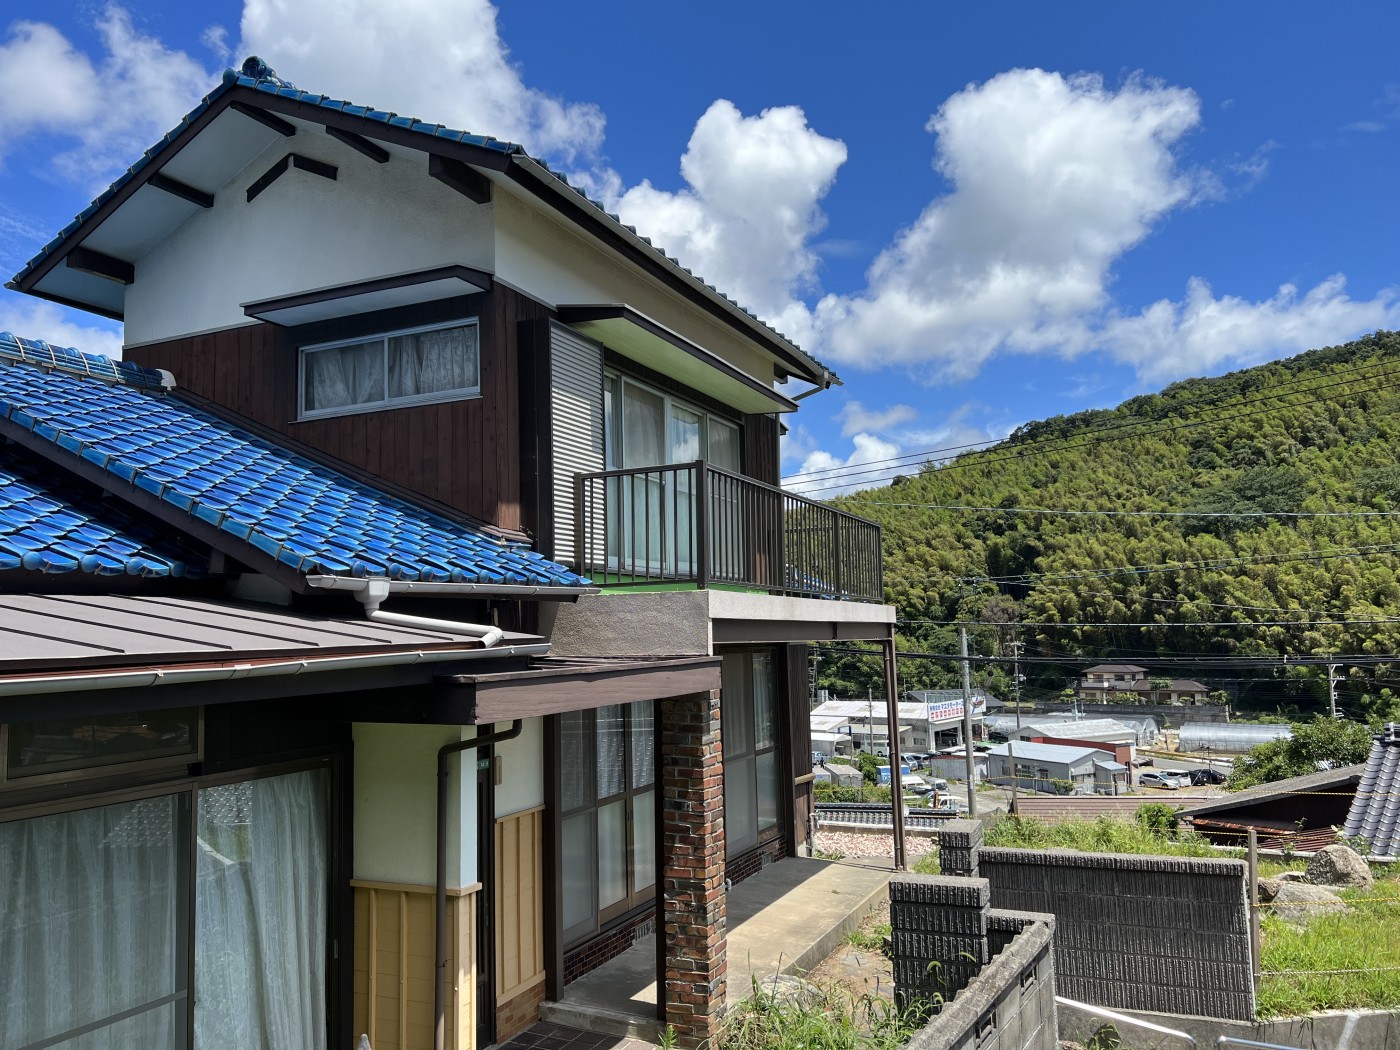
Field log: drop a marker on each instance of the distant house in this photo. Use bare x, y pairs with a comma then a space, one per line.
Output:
923, 726
1298, 813
1105, 683
1054, 768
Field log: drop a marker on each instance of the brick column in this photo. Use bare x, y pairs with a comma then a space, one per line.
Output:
692, 860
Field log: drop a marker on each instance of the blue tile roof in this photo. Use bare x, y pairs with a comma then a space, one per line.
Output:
310, 518
55, 524
258, 76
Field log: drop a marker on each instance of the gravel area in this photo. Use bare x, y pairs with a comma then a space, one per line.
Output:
860, 845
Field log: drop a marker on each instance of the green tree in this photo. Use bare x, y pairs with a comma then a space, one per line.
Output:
1321, 743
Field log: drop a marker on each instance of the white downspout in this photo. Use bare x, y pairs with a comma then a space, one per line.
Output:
374, 593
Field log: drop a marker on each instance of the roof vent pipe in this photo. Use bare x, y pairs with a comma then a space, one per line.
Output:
376, 591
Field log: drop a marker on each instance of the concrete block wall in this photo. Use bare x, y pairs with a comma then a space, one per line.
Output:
958, 844
1166, 934
939, 935
1010, 1005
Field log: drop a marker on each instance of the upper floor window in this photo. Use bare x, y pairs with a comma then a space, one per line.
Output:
412, 366
646, 428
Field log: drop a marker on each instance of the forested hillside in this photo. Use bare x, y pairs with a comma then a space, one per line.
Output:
1315, 433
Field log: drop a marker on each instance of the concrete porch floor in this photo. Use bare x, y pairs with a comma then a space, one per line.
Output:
787, 918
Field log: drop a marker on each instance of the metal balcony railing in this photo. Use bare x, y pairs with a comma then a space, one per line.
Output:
694, 523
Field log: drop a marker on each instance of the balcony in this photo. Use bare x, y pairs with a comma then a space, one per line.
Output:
694, 524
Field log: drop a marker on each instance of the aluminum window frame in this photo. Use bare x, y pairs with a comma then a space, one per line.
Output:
388, 402
92, 771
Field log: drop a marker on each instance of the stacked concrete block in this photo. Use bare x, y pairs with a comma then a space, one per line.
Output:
1161, 934
958, 844
939, 936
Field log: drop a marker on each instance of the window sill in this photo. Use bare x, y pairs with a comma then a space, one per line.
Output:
418, 402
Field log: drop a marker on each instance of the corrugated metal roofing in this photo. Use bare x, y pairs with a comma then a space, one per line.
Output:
1077, 729
1059, 753
1375, 812
258, 76
55, 524
310, 518
1340, 781
1053, 809
62, 632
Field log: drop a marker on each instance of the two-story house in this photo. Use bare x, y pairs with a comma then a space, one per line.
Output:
506, 409
1107, 683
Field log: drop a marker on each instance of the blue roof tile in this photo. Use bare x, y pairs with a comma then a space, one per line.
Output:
307, 516
52, 523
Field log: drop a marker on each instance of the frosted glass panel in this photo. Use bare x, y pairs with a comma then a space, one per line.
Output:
644, 839
643, 744
612, 853
740, 807
580, 900
766, 774
90, 928
612, 772
762, 700
736, 716
575, 761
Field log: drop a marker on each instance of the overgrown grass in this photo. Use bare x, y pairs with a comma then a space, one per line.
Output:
1103, 835
871, 939
1365, 939
817, 1019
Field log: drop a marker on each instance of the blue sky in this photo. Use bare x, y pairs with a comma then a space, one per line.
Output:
977, 214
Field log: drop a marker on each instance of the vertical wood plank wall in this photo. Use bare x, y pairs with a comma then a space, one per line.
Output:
394, 967
465, 453
519, 903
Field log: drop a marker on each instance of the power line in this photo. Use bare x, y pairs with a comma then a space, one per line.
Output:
1258, 559
1045, 511
1279, 391
841, 481
1354, 659
1151, 623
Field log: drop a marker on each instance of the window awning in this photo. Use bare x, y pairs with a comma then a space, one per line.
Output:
639, 338
383, 293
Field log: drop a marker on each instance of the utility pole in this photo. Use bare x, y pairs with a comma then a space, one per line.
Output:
1011, 741
1332, 681
967, 725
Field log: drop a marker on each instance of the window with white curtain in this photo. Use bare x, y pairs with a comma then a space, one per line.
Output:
97, 920
406, 367
753, 794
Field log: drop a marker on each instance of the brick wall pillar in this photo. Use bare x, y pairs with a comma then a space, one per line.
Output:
692, 859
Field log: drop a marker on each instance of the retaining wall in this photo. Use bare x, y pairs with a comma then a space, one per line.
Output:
1166, 934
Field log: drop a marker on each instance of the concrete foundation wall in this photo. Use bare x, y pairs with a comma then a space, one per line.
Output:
1168, 934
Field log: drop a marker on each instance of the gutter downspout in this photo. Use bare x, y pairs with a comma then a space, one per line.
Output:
374, 592
440, 900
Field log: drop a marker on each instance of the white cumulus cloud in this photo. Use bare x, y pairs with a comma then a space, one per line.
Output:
1052, 179
34, 319
751, 206
1202, 333
440, 60
822, 475
855, 417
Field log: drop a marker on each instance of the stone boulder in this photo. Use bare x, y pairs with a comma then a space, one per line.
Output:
1298, 902
1268, 890
1292, 876
1339, 865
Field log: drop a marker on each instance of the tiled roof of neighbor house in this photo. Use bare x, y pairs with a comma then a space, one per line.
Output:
306, 516
1341, 781
1113, 668
1375, 812
53, 523
258, 76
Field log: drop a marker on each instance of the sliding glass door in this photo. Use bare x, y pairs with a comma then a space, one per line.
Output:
752, 784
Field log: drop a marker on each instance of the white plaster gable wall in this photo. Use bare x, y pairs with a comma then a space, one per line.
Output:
522, 770
543, 257
395, 807
302, 233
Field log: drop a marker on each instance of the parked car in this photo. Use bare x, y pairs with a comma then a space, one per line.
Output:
1181, 776
1158, 780
950, 804
1201, 777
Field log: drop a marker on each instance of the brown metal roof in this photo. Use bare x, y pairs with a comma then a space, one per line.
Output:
1054, 809
74, 631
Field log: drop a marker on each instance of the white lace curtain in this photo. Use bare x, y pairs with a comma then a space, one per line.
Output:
93, 947
433, 362
344, 376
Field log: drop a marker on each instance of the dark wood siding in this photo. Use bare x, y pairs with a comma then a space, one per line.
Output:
465, 454
799, 742
761, 448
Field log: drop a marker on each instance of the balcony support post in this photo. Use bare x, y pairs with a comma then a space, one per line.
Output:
892, 723
702, 524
